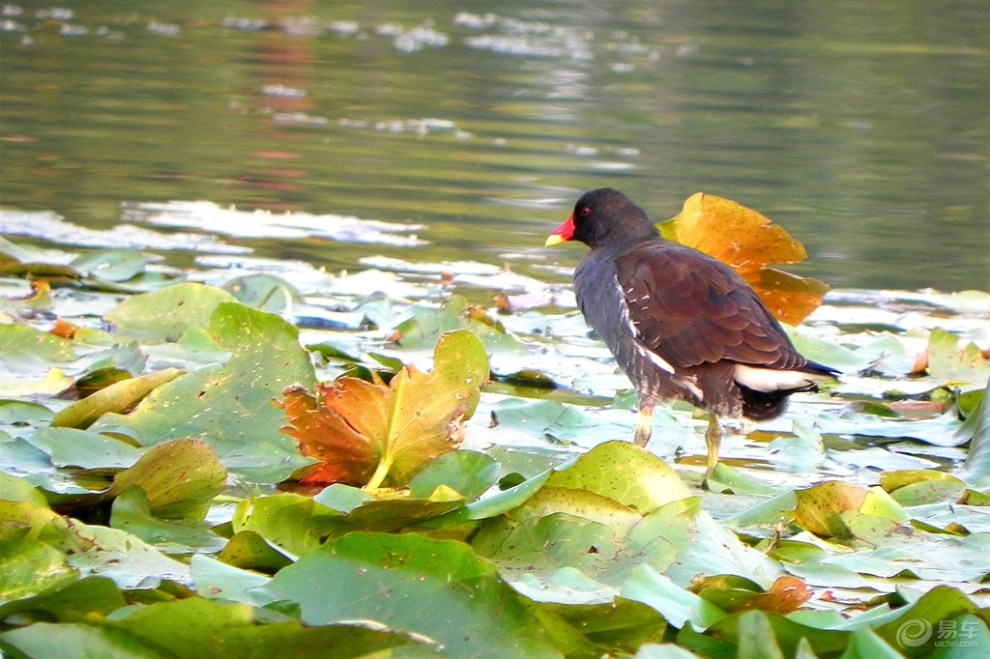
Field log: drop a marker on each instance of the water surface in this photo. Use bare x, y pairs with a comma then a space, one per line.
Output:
863, 128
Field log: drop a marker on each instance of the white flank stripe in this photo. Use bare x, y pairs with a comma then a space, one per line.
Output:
767, 379
659, 361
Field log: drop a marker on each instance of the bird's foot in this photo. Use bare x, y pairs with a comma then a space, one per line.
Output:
713, 438
644, 428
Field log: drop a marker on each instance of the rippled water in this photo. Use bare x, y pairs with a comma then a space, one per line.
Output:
863, 128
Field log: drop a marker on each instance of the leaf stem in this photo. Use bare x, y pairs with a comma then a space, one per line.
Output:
377, 478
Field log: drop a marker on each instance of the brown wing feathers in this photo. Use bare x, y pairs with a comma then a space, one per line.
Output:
703, 315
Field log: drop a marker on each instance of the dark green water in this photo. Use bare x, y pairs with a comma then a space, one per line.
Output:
861, 127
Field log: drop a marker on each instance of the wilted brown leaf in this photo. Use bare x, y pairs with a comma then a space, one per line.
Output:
345, 454
64, 329
733, 593
369, 433
786, 594
747, 241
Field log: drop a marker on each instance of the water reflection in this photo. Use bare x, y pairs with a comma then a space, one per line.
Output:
865, 129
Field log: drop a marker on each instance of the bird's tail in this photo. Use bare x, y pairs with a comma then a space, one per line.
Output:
765, 405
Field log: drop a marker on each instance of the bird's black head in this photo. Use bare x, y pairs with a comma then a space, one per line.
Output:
604, 216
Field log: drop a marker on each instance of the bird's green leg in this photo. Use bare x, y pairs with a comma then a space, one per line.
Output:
713, 437
645, 426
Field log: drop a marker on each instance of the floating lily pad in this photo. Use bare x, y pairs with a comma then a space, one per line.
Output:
369, 433
266, 292
180, 478
111, 265
427, 324
69, 447
166, 314
677, 605
382, 577
544, 524
293, 523
132, 513
25, 348
115, 398
644, 484
72, 600
30, 566
230, 407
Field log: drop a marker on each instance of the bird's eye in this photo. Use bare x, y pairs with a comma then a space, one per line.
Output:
585, 211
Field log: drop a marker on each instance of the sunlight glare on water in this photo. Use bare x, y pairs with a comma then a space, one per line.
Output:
864, 130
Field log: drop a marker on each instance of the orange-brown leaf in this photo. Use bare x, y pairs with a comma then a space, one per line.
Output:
64, 329
345, 454
748, 241
786, 594
373, 434
788, 297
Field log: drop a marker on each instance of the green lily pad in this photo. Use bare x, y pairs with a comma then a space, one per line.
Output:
818, 506
121, 556
164, 315
179, 478
935, 557
29, 566
554, 558
392, 514
249, 551
912, 629
69, 447
25, 348
949, 362
292, 523
387, 577
468, 473
644, 483
16, 489
202, 627
943, 430
16, 412
541, 418
768, 635
230, 407
506, 500
913, 488
976, 469
619, 626
427, 325
214, 578
89, 549
71, 600
44, 639
266, 292
24, 384
677, 605
114, 265
132, 512
22, 459
117, 397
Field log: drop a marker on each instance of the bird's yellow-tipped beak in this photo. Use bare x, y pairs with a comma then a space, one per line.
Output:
561, 234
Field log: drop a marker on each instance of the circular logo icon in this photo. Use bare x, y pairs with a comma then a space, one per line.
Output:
913, 633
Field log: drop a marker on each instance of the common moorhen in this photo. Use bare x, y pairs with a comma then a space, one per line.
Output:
681, 324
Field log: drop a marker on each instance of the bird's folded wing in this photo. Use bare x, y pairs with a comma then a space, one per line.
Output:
691, 309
